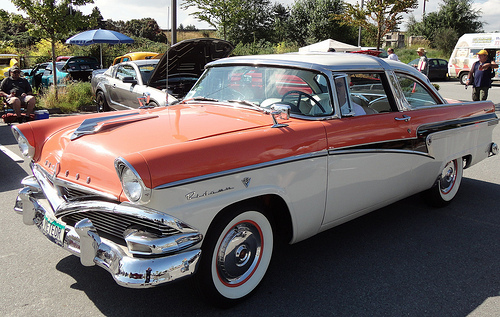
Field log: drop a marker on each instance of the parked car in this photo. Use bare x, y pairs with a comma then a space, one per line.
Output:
34, 75
134, 56
263, 149
369, 52
438, 68
47, 79
74, 68
62, 58
119, 87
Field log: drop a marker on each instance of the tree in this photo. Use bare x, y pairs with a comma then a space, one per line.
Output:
252, 23
280, 17
13, 28
378, 17
453, 19
55, 20
220, 14
315, 20
147, 28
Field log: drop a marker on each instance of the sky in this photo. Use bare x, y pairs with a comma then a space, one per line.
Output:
160, 10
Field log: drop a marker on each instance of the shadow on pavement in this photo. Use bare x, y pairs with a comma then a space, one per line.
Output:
406, 259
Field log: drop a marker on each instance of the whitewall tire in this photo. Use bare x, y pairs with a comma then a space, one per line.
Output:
235, 257
447, 185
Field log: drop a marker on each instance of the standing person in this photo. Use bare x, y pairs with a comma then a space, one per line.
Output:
480, 76
17, 92
392, 55
423, 63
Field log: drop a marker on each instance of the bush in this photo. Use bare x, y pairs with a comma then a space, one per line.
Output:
71, 98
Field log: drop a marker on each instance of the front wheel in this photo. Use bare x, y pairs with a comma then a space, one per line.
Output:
463, 77
447, 185
235, 257
102, 104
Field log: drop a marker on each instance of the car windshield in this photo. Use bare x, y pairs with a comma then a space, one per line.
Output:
146, 71
306, 92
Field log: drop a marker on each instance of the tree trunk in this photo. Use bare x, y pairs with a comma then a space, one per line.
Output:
54, 69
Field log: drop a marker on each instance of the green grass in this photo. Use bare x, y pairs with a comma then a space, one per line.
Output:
70, 98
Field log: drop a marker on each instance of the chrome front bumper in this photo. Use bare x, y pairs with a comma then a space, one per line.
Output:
83, 240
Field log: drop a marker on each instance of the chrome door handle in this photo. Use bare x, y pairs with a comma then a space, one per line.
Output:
404, 118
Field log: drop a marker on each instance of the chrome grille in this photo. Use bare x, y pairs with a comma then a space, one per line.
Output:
115, 224
71, 193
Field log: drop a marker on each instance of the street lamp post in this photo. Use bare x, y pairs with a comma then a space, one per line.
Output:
359, 29
174, 22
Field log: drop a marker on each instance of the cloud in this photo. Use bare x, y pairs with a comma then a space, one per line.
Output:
490, 12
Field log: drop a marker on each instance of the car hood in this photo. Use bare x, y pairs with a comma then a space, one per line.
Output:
189, 57
164, 145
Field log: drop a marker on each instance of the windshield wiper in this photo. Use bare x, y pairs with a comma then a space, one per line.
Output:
247, 103
199, 99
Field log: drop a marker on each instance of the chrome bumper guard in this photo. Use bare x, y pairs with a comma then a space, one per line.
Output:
83, 240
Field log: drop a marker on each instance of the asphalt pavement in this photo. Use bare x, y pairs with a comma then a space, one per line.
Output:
406, 259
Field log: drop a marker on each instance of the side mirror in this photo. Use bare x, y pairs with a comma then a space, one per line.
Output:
282, 112
129, 80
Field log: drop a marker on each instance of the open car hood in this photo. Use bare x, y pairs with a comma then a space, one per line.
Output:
189, 57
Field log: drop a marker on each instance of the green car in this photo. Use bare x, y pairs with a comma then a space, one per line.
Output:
76, 68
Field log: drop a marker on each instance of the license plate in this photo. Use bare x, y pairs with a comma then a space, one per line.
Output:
53, 230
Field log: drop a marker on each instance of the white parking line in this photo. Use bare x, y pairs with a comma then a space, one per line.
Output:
12, 155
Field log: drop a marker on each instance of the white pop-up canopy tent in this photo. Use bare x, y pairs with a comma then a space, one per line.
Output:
323, 46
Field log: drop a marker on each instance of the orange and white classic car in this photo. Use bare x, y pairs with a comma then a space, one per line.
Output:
262, 149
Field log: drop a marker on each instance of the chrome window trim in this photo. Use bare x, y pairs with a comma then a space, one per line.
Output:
242, 169
428, 87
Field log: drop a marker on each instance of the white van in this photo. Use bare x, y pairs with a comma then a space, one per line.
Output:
465, 53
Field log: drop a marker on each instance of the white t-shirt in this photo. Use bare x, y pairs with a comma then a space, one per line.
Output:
393, 57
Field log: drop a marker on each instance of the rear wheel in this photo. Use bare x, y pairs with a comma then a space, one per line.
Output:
447, 185
236, 254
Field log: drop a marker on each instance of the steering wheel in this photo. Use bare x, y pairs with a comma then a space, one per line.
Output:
300, 94
380, 104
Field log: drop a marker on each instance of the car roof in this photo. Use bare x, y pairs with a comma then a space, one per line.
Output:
140, 62
316, 60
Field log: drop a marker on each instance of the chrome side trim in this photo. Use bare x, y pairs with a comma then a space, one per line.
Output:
243, 169
359, 151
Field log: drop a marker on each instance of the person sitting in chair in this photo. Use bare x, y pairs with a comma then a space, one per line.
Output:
18, 93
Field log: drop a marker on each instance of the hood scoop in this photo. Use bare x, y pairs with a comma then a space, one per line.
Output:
96, 125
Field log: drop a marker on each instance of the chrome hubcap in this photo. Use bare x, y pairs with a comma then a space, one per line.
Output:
239, 253
448, 177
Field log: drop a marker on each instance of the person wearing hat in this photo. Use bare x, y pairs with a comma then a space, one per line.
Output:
423, 63
18, 93
480, 76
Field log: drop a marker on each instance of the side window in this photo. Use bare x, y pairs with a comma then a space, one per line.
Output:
342, 93
125, 71
415, 93
369, 92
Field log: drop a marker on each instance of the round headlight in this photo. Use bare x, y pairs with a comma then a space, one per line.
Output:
132, 184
